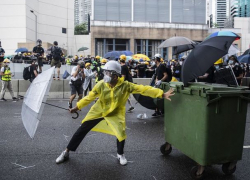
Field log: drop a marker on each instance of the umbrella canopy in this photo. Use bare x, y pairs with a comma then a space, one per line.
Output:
246, 52
32, 107
127, 53
140, 56
21, 50
116, 54
145, 101
244, 58
83, 49
233, 50
205, 54
176, 41
183, 48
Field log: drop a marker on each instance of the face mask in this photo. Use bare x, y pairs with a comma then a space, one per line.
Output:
107, 79
217, 67
230, 62
236, 64
36, 63
181, 63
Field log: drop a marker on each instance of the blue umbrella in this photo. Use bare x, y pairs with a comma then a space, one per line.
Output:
116, 54
244, 58
21, 50
127, 53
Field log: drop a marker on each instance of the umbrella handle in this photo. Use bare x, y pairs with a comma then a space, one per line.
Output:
77, 115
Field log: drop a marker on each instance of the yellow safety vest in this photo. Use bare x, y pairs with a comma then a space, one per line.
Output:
68, 62
6, 77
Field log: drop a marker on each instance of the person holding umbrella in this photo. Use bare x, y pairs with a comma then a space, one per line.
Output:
234, 63
107, 115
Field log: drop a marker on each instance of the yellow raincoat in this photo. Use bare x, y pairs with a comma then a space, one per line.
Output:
111, 105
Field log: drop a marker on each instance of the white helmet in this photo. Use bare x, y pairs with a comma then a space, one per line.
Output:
113, 66
158, 55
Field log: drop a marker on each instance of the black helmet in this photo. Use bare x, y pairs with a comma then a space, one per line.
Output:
55, 43
39, 42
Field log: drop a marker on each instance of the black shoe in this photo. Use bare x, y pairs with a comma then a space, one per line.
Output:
3, 99
14, 99
70, 105
157, 114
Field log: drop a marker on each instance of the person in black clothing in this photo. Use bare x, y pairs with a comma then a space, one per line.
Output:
38, 51
1, 55
56, 53
141, 68
177, 71
233, 62
33, 71
161, 74
127, 77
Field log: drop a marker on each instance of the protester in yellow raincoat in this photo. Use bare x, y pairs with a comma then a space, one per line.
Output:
107, 115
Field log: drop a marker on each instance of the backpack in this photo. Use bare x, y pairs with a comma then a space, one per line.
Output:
56, 53
26, 73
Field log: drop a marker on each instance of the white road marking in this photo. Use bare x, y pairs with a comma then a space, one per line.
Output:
66, 138
154, 178
23, 167
246, 147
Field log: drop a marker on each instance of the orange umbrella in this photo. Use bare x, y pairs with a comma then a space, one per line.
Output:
140, 56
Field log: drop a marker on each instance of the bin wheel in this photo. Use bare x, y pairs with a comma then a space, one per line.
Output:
166, 149
229, 168
195, 174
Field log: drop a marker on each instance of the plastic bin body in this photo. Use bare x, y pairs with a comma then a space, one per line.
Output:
206, 122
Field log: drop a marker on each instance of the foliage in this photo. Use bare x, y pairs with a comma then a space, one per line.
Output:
81, 29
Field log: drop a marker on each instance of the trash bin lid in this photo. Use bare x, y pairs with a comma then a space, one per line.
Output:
203, 89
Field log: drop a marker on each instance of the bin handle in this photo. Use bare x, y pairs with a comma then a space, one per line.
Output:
232, 95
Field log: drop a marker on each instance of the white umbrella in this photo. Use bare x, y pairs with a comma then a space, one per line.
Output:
32, 107
233, 50
176, 41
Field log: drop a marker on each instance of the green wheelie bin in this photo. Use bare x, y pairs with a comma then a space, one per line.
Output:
206, 122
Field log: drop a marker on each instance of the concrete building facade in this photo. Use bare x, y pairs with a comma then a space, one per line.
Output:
222, 12
50, 21
141, 25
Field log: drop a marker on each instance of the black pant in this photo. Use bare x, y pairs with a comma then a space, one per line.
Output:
83, 130
89, 87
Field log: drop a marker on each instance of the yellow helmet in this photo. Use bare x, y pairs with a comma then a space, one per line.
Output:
104, 60
161, 59
146, 63
122, 57
87, 64
97, 57
28, 53
6, 60
219, 61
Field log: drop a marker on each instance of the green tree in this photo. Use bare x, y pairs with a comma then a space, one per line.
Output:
81, 29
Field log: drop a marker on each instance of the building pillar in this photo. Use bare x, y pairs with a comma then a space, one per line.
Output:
170, 53
132, 45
